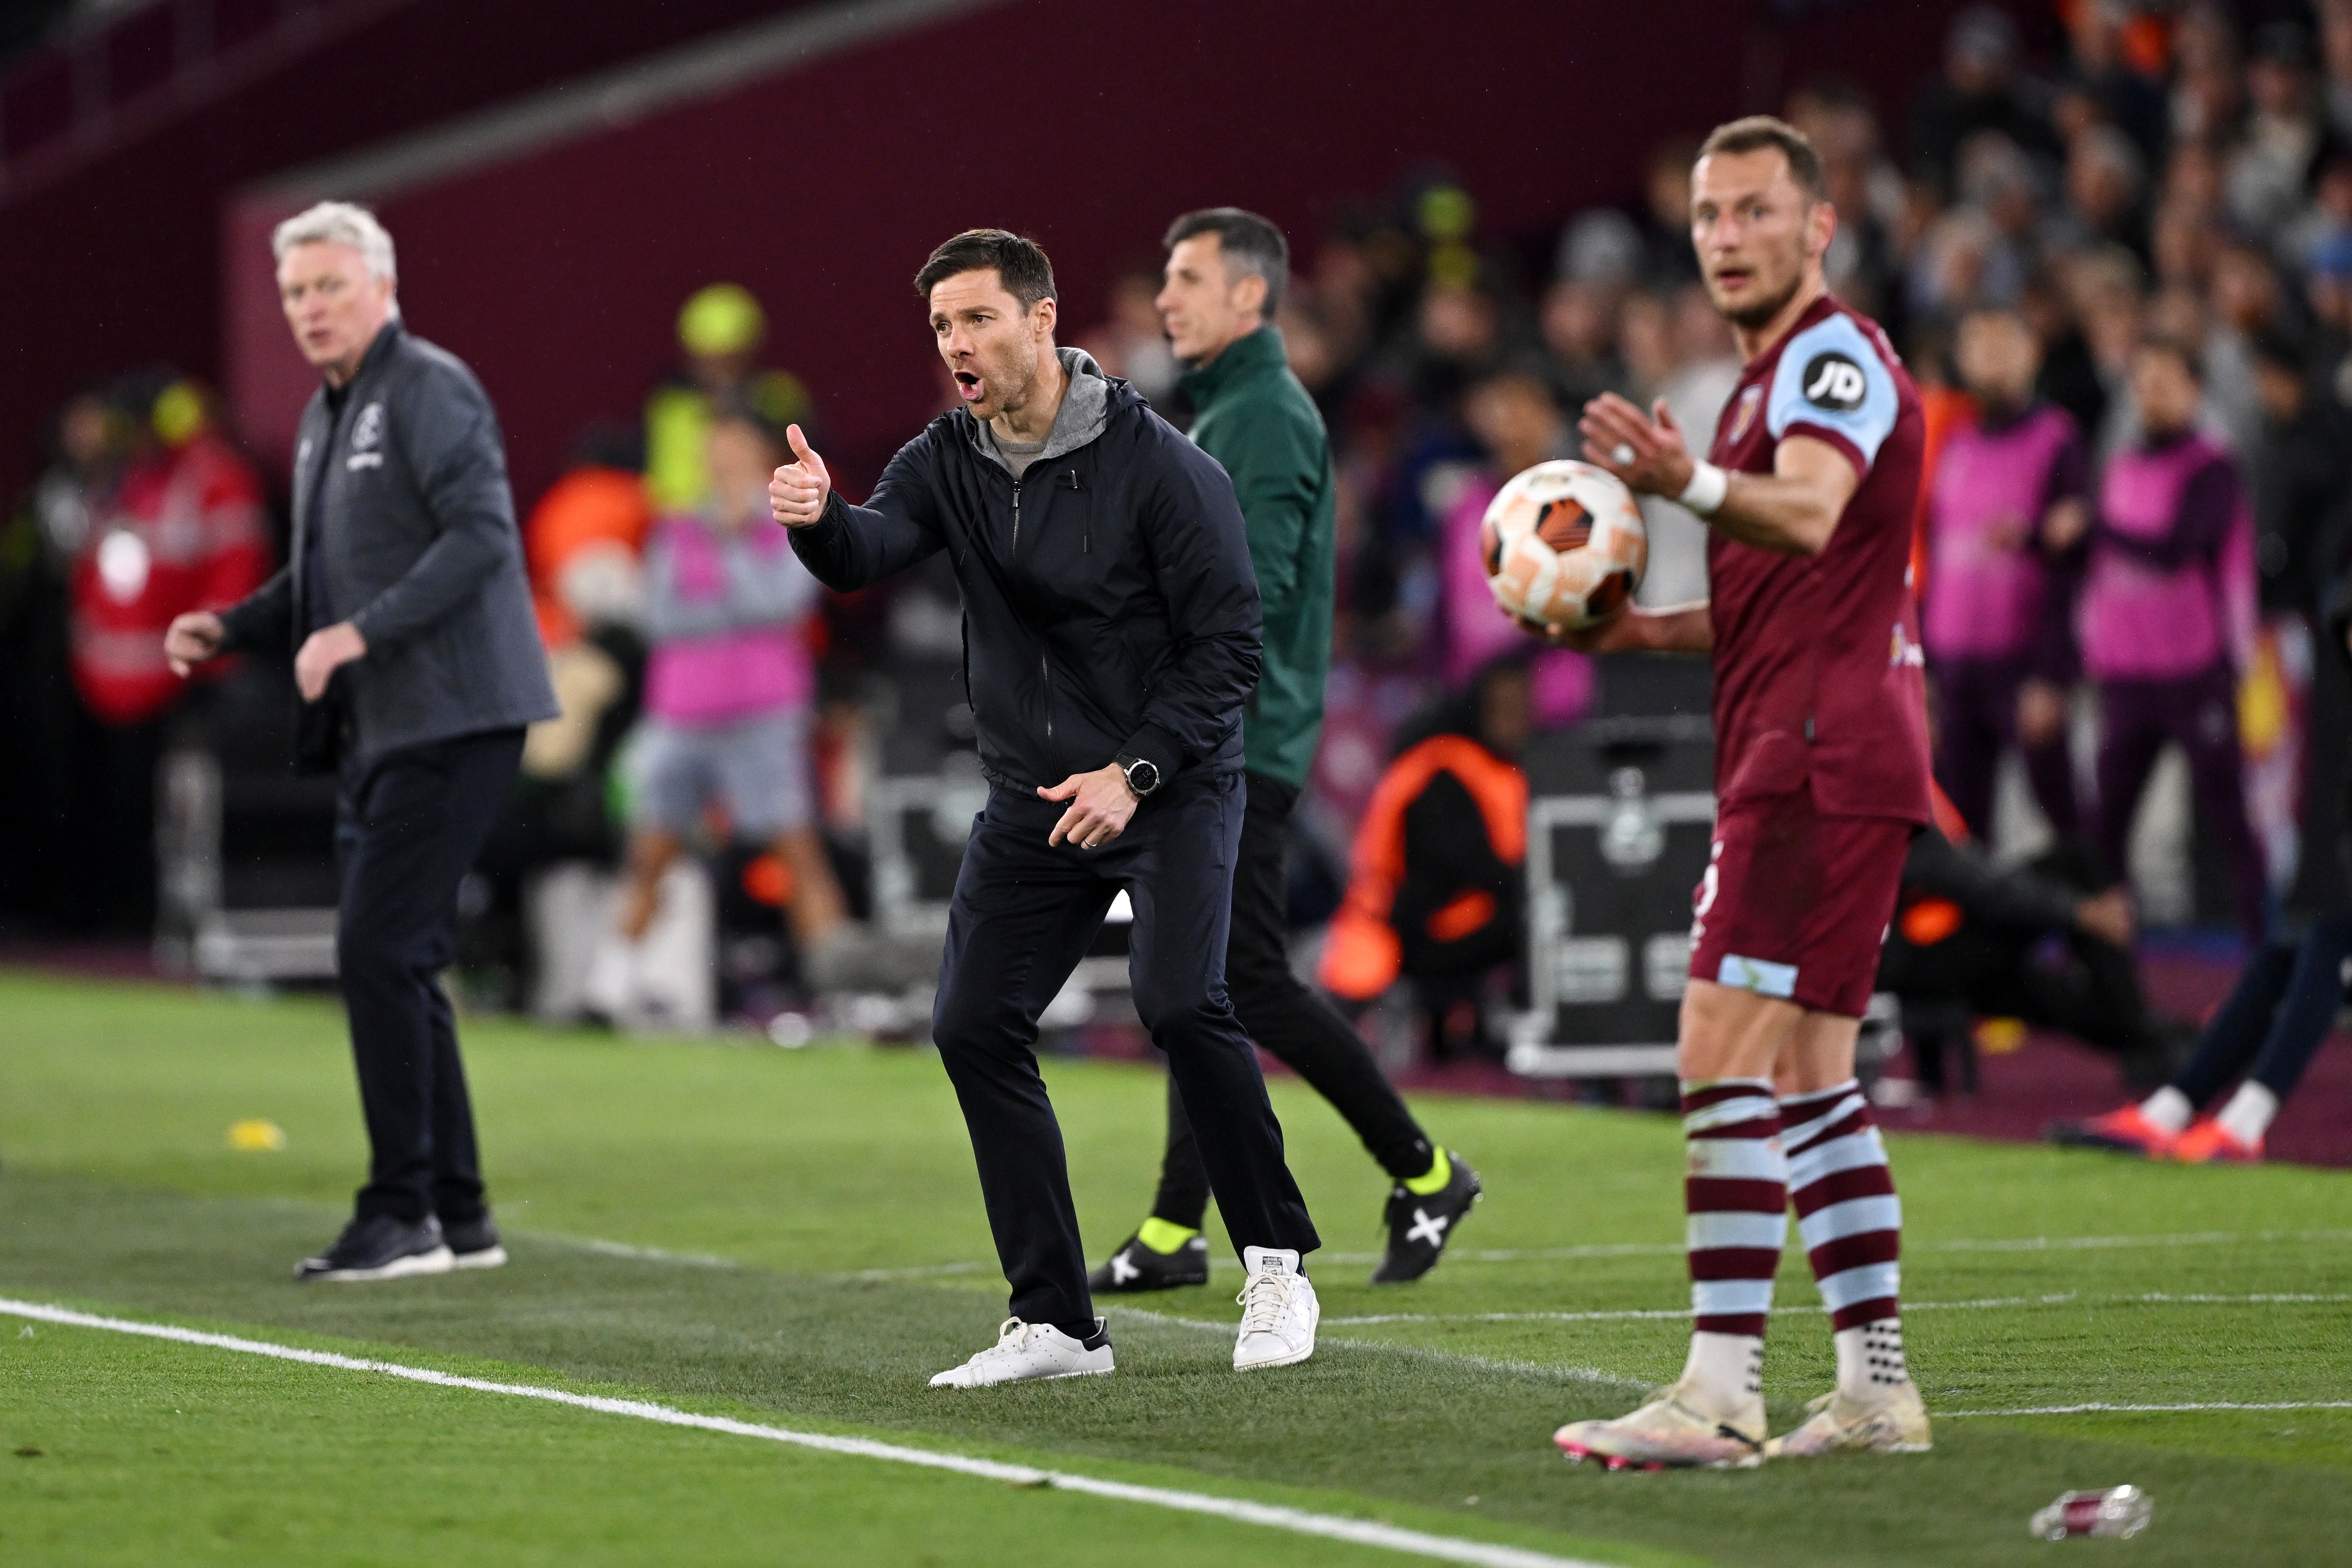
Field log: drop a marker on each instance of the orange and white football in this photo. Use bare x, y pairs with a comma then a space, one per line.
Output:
1563, 545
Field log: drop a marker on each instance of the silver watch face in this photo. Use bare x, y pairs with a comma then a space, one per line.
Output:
1142, 777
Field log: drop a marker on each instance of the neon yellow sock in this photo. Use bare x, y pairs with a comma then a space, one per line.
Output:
1163, 1238
1434, 1180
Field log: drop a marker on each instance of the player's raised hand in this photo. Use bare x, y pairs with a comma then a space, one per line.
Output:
1645, 450
797, 493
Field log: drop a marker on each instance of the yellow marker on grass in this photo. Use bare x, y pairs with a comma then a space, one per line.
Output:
256, 1135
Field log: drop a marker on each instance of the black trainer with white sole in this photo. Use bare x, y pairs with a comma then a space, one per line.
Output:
474, 1244
1135, 1268
1419, 1227
378, 1247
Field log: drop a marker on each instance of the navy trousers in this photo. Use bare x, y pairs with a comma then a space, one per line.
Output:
407, 827
1022, 917
2277, 1015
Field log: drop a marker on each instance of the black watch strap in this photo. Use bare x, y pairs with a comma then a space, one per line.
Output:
1143, 775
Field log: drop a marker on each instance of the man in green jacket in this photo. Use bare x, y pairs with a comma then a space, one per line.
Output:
1226, 272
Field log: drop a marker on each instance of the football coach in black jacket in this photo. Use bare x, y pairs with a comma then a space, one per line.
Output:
1111, 639
418, 661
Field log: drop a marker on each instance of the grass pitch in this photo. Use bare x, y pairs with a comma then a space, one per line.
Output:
796, 1238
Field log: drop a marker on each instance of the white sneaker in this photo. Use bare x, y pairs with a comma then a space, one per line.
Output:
1278, 1311
1894, 1422
1025, 1353
1667, 1434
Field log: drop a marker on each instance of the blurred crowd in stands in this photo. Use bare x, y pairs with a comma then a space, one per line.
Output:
2024, 226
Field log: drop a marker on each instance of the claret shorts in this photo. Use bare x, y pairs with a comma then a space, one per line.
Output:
1795, 904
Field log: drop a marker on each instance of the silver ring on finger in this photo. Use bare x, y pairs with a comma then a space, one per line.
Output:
1622, 455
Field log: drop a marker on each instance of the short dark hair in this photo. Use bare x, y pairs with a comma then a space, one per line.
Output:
737, 410
1758, 131
2282, 350
1019, 264
1251, 246
2184, 352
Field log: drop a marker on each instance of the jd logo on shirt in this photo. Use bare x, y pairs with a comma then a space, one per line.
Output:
1834, 381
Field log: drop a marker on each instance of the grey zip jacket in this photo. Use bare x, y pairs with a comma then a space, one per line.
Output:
406, 490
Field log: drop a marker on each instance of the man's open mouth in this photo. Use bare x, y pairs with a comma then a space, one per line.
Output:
968, 384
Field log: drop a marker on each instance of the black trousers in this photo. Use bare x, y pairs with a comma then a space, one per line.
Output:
1300, 1025
407, 826
1022, 917
2095, 995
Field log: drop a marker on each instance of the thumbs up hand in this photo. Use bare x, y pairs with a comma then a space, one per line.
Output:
797, 493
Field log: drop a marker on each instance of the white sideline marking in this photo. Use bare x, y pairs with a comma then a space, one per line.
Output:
1333, 1527
1544, 1369
2160, 1409
1998, 1243
651, 1254
1497, 1255
1985, 1303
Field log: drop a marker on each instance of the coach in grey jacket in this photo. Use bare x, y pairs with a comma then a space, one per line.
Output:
418, 660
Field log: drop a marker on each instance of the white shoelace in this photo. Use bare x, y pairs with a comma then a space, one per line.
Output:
1012, 1338
1265, 1302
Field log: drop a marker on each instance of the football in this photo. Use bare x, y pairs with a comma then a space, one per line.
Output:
1564, 546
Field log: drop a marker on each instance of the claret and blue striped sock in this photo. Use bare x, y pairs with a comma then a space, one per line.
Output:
1852, 1225
1737, 1198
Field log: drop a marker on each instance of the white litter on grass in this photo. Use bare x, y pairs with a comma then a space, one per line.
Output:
1298, 1522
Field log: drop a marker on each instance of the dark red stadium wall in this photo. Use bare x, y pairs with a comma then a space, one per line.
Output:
113, 264
557, 274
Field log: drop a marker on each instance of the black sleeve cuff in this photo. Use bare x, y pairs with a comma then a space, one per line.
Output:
1153, 745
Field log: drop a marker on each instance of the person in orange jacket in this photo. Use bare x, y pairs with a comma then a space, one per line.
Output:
1436, 888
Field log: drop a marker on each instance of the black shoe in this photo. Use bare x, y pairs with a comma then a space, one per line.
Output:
379, 1247
1419, 1227
1135, 1268
474, 1243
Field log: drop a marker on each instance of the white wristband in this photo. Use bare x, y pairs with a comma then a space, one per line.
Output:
1709, 485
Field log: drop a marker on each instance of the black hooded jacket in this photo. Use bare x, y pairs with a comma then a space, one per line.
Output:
1108, 602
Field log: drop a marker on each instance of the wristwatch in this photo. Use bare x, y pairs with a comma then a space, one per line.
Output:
1142, 774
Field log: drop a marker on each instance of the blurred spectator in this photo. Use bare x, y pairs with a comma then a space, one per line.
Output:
1513, 417
2101, 83
2166, 617
2107, 178
2271, 167
1700, 372
1579, 329
1129, 343
2245, 305
1436, 888
2070, 370
720, 328
584, 539
1667, 260
2301, 480
2336, 56
1982, 90
581, 545
179, 527
1971, 940
2005, 498
2208, 90
731, 687
1863, 265
2328, 216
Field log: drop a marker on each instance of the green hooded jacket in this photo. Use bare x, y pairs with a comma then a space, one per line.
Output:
1257, 421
